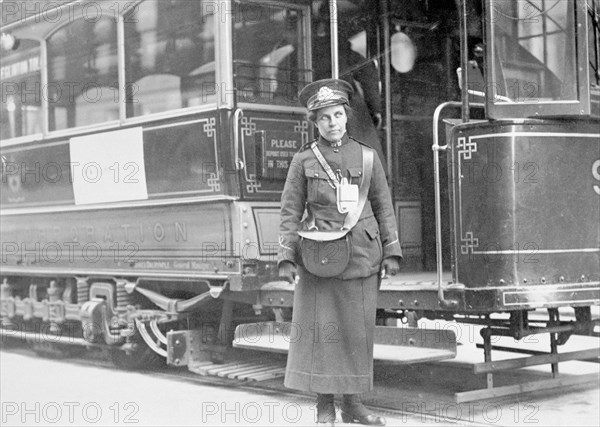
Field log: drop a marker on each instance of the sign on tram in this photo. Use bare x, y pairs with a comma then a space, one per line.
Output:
274, 152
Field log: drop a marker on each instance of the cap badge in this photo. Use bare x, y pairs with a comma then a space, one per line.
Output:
324, 94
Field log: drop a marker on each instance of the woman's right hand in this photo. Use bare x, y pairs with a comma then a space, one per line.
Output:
288, 272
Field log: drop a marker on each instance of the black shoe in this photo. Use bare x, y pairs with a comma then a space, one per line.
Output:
325, 409
368, 420
353, 411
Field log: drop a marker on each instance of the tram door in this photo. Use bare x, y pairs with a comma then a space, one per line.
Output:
423, 51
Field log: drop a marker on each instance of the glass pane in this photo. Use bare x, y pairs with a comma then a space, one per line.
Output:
169, 56
82, 74
534, 51
21, 112
269, 54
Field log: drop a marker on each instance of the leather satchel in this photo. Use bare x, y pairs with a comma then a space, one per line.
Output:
327, 253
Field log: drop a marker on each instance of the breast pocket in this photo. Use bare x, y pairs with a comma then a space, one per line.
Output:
355, 174
318, 188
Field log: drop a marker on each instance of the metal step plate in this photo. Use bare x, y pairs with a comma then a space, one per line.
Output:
241, 370
392, 344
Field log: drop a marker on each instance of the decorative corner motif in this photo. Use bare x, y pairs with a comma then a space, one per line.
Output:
302, 128
214, 182
253, 185
209, 127
466, 149
247, 126
470, 242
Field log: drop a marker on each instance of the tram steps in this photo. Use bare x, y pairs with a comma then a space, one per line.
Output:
255, 370
392, 344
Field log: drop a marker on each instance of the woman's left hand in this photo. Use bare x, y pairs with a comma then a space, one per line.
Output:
389, 266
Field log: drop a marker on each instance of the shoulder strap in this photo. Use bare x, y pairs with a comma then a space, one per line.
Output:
333, 180
354, 215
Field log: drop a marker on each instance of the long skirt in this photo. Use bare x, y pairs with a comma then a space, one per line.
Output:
331, 341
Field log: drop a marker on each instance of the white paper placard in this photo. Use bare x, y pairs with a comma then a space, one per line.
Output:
108, 167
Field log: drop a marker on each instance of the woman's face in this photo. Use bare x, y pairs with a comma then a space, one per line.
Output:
331, 122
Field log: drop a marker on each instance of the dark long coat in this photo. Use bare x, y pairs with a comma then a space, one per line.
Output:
334, 319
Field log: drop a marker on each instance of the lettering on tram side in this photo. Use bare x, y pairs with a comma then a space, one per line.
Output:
153, 245
176, 231
596, 175
118, 243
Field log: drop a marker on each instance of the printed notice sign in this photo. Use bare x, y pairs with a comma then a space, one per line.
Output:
108, 167
274, 153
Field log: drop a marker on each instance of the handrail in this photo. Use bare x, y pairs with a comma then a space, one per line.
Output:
445, 303
438, 210
239, 163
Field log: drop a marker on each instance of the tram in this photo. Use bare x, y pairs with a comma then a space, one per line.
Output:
145, 145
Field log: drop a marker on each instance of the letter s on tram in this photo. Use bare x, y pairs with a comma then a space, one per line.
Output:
596, 173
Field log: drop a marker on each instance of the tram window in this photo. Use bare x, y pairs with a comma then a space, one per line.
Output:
82, 74
169, 56
21, 112
534, 51
269, 55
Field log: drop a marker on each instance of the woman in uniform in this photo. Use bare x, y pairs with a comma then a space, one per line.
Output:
334, 317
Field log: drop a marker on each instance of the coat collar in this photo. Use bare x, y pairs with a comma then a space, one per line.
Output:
344, 140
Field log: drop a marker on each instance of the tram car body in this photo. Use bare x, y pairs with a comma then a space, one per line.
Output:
145, 146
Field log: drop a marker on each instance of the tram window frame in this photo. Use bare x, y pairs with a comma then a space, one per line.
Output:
205, 70
20, 69
84, 94
63, 15
497, 108
253, 98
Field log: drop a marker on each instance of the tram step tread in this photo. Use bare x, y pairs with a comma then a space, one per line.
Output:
408, 354
273, 338
200, 368
251, 373
270, 375
381, 352
217, 368
267, 375
240, 368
